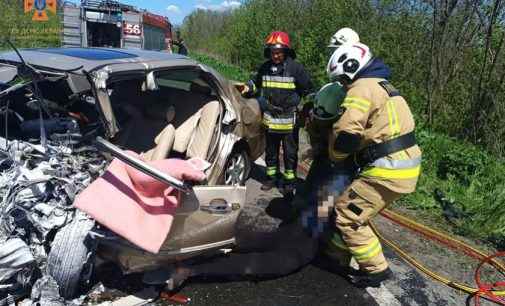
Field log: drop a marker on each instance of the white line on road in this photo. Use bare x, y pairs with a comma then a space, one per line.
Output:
383, 296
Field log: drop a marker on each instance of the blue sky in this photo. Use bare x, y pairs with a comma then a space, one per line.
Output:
176, 10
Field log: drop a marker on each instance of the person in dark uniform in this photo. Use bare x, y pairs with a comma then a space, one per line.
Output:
181, 44
280, 84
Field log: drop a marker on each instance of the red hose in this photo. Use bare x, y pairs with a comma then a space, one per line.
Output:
486, 289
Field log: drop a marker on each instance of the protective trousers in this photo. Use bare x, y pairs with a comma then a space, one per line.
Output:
290, 150
360, 202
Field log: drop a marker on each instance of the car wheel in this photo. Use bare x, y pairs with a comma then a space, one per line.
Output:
71, 259
237, 168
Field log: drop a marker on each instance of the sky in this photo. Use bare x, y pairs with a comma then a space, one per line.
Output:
176, 10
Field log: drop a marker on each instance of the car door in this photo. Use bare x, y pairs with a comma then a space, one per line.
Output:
206, 216
205, 219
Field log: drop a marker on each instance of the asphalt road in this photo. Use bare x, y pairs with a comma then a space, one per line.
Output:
312, 285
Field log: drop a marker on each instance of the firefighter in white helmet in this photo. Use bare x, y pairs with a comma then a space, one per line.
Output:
375, 131
343, 36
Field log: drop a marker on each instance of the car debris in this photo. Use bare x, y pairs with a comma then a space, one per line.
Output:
37, 191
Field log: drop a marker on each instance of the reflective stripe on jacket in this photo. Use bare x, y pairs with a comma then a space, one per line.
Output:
276, 124
375, 112
283, 86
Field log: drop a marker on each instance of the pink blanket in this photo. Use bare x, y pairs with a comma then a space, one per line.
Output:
134, 205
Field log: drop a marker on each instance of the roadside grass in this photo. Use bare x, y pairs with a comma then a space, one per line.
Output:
461, 188
229, 71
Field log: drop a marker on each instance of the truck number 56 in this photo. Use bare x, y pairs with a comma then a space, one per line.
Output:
132, 29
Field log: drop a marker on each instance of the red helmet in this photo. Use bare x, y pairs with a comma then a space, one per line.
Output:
278, 40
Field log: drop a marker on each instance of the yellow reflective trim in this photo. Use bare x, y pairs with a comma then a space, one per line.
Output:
355, 106
395, 127
362, 102
396, 120
271, 171
357, 103
280, 127
390, 118
366, 249
392, 173
371, 253
270, 84
289, 175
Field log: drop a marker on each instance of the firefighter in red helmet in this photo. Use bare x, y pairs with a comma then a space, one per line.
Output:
280, 84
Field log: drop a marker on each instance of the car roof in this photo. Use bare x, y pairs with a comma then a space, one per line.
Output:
88, 58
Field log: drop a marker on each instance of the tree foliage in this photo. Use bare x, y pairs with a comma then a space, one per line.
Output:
446, 55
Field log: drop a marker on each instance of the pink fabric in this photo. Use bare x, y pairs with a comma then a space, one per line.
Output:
134, 205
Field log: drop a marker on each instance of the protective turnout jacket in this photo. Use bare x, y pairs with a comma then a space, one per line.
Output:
283, 86
375, 112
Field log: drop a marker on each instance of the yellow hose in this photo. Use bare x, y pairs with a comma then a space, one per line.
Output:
425, 270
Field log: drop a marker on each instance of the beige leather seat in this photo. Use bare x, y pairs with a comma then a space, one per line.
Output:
192, 137
164, 143
202, 136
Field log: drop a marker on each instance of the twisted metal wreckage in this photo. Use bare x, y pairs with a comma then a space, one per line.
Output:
37, 188
38, 183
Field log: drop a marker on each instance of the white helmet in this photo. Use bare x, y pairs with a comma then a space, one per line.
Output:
343, 36
348, 60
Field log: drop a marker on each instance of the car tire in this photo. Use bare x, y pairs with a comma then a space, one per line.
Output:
71, 259
238, 168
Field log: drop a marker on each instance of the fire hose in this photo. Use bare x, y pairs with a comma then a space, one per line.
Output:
489, 292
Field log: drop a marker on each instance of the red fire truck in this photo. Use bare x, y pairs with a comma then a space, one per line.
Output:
110, 23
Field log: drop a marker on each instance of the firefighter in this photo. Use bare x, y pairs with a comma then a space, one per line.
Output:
280, 84
343, 36
375, 132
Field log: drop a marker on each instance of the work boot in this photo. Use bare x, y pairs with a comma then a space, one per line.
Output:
268, 185
364, 280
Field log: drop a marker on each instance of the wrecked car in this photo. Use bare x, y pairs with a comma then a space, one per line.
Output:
54, 103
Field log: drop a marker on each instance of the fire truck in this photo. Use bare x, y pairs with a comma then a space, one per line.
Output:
110, 23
